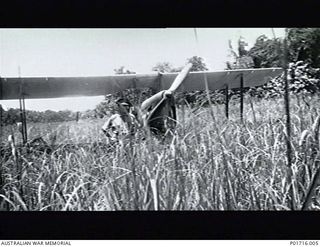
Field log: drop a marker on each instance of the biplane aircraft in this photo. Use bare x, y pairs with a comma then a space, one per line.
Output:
163, 83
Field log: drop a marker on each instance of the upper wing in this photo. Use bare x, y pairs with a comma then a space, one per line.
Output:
55, 87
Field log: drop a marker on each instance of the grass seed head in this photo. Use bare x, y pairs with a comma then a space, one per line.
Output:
304, 135
315, 127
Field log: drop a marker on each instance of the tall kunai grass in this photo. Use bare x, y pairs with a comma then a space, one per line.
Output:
206, 165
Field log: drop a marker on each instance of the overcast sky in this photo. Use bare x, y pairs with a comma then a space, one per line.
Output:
97, 52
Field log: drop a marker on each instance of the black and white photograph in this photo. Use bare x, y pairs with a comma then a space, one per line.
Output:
159, 119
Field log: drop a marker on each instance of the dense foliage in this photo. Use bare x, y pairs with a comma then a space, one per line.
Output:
266, 52
12, 116
303, 79
303, 55
304, 45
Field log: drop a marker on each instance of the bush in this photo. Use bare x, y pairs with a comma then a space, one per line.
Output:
302, 79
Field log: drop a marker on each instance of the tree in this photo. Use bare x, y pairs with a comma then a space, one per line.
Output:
165, 67
266, 52
197, 64
122, 71
11, 116
304, 58
304, 45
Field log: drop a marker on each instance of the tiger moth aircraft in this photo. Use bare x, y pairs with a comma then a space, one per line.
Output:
154, 110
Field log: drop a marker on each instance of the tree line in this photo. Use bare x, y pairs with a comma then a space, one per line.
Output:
12, 116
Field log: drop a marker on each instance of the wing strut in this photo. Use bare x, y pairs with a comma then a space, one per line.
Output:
241, 98
23, 119
227, 101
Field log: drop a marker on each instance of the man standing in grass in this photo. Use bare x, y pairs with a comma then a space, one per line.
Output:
158, 113
122, 123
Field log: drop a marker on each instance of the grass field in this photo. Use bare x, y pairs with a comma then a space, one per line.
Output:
211, 163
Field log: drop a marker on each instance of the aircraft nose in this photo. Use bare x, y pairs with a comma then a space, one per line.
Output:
168, 93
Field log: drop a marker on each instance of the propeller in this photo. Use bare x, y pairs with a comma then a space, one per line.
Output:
164, 101
175, 85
